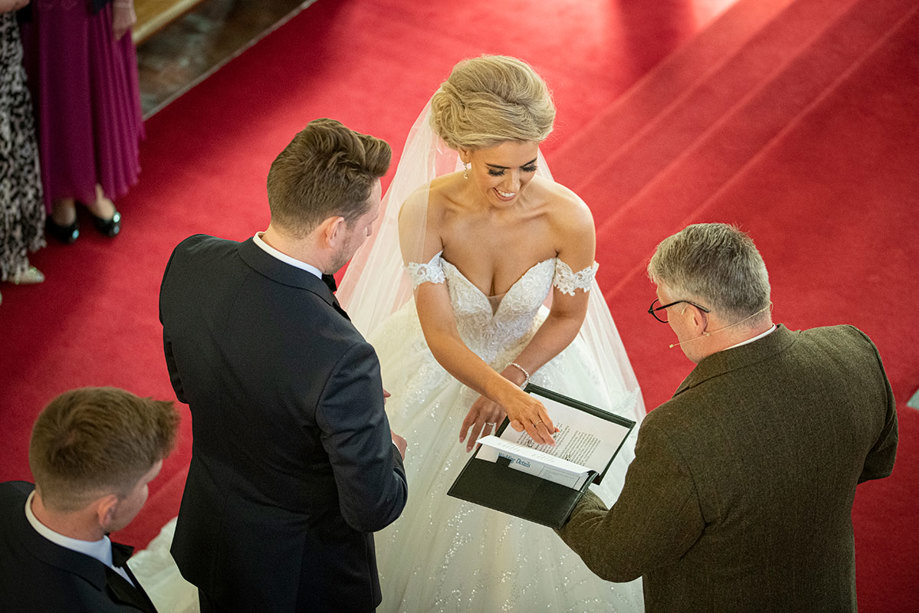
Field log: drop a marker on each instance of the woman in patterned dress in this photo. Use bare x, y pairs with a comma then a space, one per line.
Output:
22, 213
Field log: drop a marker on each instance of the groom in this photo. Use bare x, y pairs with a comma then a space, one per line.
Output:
293, 464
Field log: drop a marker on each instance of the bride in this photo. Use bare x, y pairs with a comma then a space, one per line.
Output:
499, 291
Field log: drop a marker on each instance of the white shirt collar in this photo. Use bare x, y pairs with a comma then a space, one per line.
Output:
257, 239
755, 338
100, 550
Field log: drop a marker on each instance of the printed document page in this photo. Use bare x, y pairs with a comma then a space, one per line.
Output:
582, 438
584, 442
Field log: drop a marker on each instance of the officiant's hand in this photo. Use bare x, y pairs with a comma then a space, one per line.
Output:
483, 417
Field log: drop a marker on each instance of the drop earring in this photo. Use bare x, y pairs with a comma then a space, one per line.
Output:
465, 170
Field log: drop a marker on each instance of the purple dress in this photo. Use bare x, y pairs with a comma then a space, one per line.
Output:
87, 101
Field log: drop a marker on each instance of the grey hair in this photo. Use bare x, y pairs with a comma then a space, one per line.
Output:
489, 100
717, 265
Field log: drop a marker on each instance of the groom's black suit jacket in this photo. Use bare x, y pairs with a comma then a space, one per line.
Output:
293, 465
38, 575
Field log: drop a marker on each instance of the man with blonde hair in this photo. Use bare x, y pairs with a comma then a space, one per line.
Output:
92, 453
740, 494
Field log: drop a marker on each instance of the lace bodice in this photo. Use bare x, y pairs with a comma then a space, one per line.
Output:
498, 334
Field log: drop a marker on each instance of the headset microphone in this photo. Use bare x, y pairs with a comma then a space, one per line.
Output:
692, 339
766, 308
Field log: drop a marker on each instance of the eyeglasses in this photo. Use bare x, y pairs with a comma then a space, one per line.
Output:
654, 310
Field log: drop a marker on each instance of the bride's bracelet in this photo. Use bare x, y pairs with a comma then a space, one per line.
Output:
526, 375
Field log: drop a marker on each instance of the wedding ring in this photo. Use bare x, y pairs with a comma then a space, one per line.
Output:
490, 423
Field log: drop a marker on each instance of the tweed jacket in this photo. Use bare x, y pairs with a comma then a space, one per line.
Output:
740, 494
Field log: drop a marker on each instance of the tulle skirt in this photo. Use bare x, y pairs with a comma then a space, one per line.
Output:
444, 554
160, 577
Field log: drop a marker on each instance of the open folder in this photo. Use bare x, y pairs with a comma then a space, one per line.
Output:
510, 472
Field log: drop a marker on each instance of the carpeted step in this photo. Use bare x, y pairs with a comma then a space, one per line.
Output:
664, 86
683, 185
688, 113
822, 201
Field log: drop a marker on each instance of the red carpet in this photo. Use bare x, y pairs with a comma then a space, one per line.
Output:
796, 120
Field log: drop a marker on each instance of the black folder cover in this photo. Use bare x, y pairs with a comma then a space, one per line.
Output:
498, 486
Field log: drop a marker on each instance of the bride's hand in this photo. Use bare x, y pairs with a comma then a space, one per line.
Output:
524, 412
483, 417
527, 413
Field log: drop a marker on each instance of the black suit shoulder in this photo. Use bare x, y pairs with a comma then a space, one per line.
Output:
38, 575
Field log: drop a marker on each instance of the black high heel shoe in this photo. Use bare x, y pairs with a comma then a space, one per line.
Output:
65, 234
108, 227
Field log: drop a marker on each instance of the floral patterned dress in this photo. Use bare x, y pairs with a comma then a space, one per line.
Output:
22, 212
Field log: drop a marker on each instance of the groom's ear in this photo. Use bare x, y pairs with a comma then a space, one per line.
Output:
330, 231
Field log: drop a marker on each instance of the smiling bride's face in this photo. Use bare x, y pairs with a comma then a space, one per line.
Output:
502, 172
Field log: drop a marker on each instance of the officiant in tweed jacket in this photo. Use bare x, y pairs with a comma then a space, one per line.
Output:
740, 494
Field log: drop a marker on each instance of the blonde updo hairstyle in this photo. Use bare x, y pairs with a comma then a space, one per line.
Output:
489, 100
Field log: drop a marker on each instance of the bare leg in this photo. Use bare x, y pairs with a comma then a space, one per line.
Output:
63, 211
106, 217
103, 207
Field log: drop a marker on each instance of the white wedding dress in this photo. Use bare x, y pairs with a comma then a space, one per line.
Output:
444, 554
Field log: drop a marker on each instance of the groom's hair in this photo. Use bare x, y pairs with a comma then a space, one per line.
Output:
94, 441
327, 170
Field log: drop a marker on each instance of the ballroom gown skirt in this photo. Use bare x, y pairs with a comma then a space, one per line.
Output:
87, 100
444, 555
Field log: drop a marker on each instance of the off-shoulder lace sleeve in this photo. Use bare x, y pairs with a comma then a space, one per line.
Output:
432, 272
567, 281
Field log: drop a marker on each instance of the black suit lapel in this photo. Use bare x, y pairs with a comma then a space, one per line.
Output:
120, 589
329, 281
338, 308
284, 273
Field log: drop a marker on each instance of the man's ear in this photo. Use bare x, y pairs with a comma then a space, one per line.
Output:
105, 509
330, 230
699, 320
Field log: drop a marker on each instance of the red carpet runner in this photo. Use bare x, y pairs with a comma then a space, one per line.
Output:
795, 120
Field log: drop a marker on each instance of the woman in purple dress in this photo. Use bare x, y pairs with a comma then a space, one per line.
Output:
82, 69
